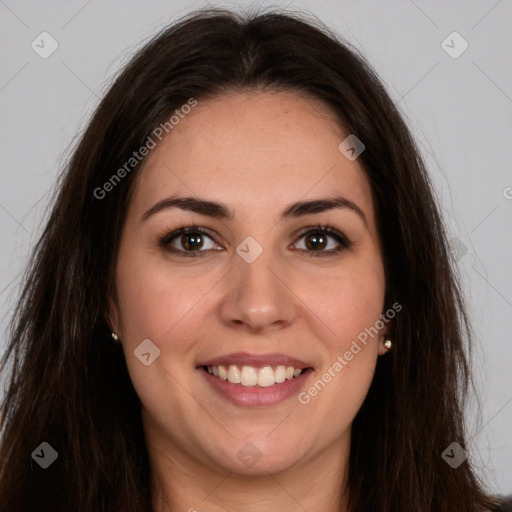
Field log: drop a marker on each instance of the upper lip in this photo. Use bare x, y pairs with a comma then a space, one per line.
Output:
245, 359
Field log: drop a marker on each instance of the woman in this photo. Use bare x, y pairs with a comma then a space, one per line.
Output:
243, 295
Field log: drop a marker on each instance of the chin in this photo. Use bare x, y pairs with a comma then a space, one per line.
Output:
257, 455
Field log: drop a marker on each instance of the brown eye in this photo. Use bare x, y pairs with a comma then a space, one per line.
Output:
192, 241
188, 241
316, 241
323, 241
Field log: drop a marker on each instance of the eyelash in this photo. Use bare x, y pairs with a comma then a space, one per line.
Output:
344, 243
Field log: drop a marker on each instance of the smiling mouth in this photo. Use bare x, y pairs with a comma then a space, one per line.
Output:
253, 376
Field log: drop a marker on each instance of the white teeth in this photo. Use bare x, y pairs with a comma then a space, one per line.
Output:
266, 377
223, 373
233, 374
280, 374
250, 376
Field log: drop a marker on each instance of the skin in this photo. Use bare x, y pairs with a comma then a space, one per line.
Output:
230, 149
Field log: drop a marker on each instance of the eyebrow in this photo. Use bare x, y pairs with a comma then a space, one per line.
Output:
221, 211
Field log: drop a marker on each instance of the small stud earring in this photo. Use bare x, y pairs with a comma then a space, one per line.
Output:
388, 344
115, 337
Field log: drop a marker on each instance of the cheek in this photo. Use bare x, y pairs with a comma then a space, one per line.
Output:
164, 308
153, 301
351, 300
350, 305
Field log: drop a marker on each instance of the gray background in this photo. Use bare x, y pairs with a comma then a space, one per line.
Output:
459, 109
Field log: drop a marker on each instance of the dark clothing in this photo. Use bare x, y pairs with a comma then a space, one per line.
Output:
506, 505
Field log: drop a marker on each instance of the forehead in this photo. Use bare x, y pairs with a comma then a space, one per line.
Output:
254, 148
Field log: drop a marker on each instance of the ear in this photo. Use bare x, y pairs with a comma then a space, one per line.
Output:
384, 335
112, 316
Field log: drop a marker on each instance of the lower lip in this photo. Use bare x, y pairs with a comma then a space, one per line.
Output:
256, 396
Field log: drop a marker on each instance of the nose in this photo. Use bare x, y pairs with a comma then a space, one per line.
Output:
259, 296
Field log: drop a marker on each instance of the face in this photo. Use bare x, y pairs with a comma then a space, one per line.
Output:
255, 284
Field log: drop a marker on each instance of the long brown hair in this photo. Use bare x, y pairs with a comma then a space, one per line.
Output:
68, 383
